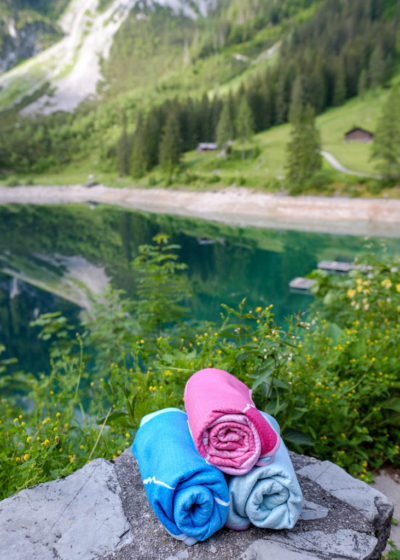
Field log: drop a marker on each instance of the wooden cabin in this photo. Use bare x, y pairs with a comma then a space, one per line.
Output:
358, 134
207, 147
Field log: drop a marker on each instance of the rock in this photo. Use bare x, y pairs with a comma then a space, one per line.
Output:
101, 513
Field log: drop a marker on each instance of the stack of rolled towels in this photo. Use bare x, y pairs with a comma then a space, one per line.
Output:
182, 459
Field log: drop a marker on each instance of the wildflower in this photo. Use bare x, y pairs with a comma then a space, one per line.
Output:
127, 435
398, 288
18, 459
26, 457
58, 414
15, 420
386, 283
258, 309
46, 442
351, 293
28, 439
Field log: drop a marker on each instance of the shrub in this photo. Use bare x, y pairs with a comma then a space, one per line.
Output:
332, 380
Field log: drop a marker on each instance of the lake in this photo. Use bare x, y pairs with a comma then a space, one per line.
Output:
54, 257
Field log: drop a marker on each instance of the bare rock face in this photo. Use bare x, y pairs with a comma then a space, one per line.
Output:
101, 513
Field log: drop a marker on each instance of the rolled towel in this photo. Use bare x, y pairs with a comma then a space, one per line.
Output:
227, 429
268, 496
189, 497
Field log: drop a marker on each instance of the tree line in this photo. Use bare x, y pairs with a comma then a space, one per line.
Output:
345, 49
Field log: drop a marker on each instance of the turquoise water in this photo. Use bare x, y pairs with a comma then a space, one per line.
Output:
225, 264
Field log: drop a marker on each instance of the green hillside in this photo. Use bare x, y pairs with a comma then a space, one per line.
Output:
338, 57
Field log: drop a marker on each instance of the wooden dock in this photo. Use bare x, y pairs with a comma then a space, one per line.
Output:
336, 266
301, 284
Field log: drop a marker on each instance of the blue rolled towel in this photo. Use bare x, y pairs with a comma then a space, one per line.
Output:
268, 496
189, 497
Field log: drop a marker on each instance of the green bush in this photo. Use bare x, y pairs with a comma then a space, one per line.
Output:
332, 381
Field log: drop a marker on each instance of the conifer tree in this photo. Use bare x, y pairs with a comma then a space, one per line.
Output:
123, 149
224, 128
377, 70
339, 86
303, 151
386, 146
171, 144
139, 163
296, 101
244, 122
362, 83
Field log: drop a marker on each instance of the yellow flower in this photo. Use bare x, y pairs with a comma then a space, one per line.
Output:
386, 283
351, 293
127, 435
46, 442
398, 288
26, 457
28, 439
18, 459
15, 420
58, 414
258, 309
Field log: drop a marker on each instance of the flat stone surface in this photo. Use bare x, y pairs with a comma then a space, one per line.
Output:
79, 517
388, 482
101, 513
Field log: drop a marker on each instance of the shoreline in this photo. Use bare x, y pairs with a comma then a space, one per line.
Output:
234, 206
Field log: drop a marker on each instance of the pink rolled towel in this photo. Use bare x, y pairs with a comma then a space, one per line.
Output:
227, 429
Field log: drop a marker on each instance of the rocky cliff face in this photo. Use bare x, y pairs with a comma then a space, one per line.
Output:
23, 36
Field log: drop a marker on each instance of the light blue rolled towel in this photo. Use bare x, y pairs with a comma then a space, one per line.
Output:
268, 496
189, 497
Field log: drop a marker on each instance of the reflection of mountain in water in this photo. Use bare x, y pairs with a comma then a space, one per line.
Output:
21, 303
71, 278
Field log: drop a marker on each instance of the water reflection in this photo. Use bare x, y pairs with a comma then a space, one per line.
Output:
72, 251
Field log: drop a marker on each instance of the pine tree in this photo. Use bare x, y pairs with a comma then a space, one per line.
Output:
362, 83
224, 128
296, 101
386, 146
377, 70
123, 149
139, 163
303, 151
244, 122
339, 85
171, 144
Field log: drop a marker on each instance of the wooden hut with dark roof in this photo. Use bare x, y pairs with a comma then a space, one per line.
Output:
358, 134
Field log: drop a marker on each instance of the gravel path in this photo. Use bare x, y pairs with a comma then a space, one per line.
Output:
334, 162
